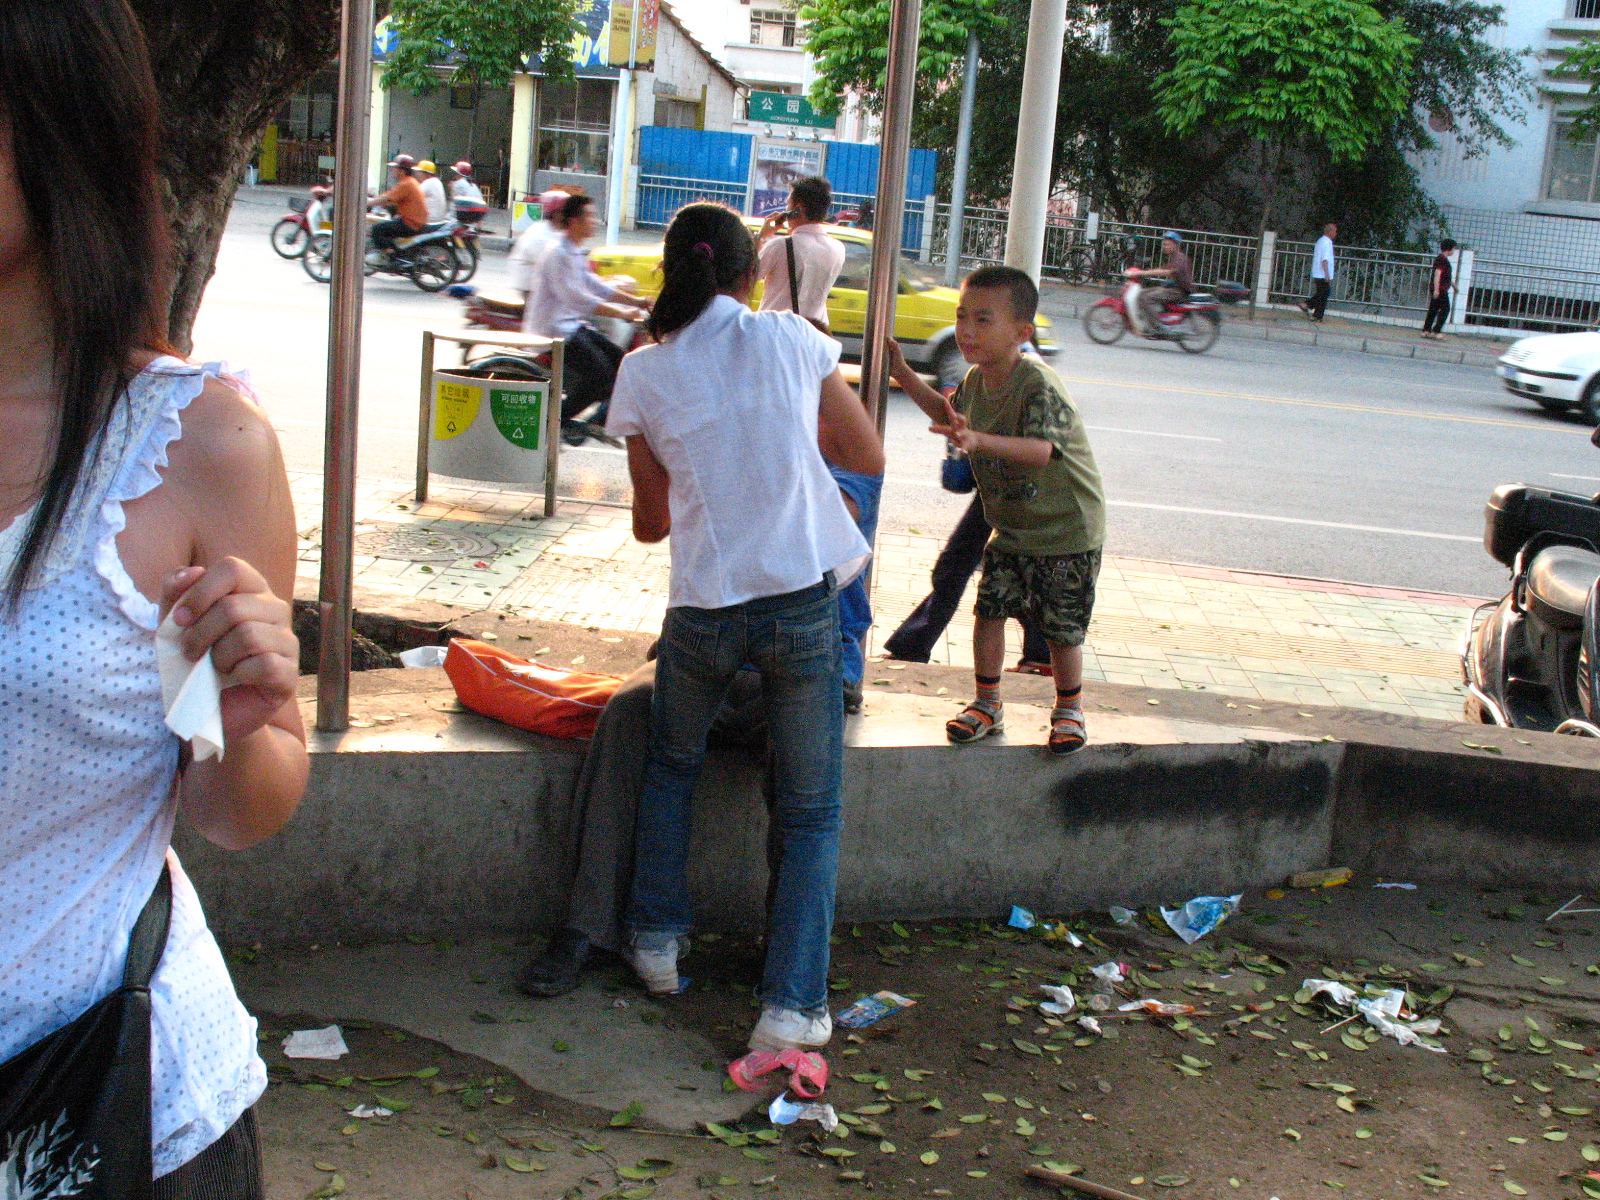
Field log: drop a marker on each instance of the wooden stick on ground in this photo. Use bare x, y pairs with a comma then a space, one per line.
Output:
1081, 1185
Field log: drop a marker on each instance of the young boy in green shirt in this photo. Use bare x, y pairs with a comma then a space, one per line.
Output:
1041, 492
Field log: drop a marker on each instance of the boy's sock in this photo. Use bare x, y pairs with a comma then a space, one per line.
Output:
1069, 698
988, 688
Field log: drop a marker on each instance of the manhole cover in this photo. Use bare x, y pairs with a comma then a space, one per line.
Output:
410, 543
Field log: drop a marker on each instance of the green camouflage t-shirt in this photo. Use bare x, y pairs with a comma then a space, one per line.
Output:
1058, 508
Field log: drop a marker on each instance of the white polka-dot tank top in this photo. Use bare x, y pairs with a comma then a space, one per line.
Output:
87, 799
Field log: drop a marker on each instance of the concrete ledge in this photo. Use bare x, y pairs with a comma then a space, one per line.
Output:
441, 822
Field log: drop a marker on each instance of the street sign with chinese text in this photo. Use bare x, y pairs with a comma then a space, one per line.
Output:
776, 108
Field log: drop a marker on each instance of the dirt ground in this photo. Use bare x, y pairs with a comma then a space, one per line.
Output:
1254, 1096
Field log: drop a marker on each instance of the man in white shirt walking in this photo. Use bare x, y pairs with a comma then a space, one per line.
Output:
564, 295
1321, 273
808, 255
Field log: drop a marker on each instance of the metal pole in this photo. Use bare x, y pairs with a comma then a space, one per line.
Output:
958, 185
905, 21
344, 365
620, 126
1036, 132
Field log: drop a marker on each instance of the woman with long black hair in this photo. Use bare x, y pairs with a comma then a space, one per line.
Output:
723, 419
133, 487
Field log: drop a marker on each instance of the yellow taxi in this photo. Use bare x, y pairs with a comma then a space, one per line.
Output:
925, 314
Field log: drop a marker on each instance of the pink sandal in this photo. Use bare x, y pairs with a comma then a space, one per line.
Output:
808, 1076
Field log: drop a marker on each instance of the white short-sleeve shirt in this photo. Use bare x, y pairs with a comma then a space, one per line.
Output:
1322, 258
729, 405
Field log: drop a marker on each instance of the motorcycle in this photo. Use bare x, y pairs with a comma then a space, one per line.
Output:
1194, 322
427, 258
464, 242
293, 233
1529, 659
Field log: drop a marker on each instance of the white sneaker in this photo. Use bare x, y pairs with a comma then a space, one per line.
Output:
785, 1029
658, 969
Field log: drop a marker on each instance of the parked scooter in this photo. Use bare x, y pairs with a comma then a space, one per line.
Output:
1194, 322
427, 258
293, 233
1529, 660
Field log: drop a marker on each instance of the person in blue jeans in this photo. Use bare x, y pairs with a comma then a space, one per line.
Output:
722, 419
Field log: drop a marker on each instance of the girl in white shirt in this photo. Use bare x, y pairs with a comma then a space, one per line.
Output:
722, 422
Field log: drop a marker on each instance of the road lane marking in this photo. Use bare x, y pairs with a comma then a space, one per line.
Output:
1241, 516
1361, 408
1193, 437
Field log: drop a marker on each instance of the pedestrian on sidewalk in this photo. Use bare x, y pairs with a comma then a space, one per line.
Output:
1441, 292
1041, 492
798, 271
1321, 273
962, 554
565, 296
722, 419
143, 504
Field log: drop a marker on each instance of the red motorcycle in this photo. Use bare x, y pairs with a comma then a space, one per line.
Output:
292, 234
1194, 322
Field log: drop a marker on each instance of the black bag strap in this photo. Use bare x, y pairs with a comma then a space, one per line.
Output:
149, 937
794, 279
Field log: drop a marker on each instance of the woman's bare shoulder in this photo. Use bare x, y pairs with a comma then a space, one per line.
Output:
228, 446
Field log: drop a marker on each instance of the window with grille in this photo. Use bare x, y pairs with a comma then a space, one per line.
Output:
1570, 166
775, 27
1586, 10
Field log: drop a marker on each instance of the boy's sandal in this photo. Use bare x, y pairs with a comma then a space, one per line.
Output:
1067, 730
1024, 667
977, 721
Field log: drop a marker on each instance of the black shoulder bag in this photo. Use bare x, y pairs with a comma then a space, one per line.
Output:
75, 1106
794, 288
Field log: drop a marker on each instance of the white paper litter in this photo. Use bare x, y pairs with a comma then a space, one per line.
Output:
191, 693
1108, 973
315, 1043
1410, 887
1061, 1000
364, 1111
784, 1111
1341, 995
1383, 1014
1089, 1024
423, 656
1074, 940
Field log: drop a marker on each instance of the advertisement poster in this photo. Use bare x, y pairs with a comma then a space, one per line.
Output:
776, 167
642, 51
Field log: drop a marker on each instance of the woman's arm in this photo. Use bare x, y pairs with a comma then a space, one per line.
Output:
845, 432
226, 476
652, 486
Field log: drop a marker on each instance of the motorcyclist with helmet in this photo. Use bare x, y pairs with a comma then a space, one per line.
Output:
1153, 301
466, 195
406, 201
433, 191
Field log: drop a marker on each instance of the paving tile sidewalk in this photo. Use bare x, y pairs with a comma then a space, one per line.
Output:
1156, 624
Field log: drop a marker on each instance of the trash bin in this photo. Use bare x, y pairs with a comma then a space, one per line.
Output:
488, 426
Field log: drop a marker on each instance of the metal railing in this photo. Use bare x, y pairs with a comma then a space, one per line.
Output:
1366, 280
1540, 299
660, 196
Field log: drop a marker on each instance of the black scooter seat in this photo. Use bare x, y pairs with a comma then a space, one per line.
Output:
1559, 579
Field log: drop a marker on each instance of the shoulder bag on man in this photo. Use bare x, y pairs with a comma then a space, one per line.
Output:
794, 288
75, 1106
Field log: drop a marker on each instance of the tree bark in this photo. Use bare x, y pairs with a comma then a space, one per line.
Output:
223, 68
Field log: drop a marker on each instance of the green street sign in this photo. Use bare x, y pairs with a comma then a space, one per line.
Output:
776, 108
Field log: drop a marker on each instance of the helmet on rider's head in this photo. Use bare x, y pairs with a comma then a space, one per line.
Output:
404, 161
462, 168
550, 202
1172, 235
428, 166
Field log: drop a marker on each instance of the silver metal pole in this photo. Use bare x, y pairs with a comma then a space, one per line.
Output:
1036, 131
958, 184
344, 365
905, 22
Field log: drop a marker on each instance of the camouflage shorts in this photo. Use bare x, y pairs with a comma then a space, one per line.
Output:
1056, 590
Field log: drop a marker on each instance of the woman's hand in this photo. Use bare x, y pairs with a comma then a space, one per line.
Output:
230, 611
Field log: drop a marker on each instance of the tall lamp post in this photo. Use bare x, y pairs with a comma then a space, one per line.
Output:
334, 593
958, 184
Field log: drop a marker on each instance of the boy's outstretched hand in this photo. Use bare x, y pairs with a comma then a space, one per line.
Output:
955, 428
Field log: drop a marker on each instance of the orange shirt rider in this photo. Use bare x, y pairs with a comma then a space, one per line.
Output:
405, 197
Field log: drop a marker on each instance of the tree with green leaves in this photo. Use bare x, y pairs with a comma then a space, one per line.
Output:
850, 41
1582, 65
1288, 74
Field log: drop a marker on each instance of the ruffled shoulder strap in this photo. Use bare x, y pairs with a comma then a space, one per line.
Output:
124, 465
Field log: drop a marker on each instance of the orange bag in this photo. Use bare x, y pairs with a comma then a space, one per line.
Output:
528, 695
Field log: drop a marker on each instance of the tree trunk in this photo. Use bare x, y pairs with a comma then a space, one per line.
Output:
223, 69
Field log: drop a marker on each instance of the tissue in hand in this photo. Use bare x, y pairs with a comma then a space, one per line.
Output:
191, 693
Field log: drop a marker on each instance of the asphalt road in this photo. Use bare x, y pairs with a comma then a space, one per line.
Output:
1258, 456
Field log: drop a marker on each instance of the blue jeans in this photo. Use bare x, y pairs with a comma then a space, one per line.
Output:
793, 641
855, 606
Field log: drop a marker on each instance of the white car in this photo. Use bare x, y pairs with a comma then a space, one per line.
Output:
1557, 371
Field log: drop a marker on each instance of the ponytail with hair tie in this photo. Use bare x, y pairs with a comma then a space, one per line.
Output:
704, 250
707, 251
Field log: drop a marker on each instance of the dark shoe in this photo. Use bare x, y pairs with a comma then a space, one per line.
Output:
852, 697
598, 432
560, 969
574, 433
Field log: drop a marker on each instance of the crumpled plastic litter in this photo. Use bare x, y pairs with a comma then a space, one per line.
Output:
1021, 918
1160, 1008
315, 1043
1089, 1024
1123, 916
1110, 974
1098, 1002
1339, 993
422, 656
1200, 916
1074, 940
1061, 1000
1410, 887
784, 1111
1382, 1011
363, 1111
